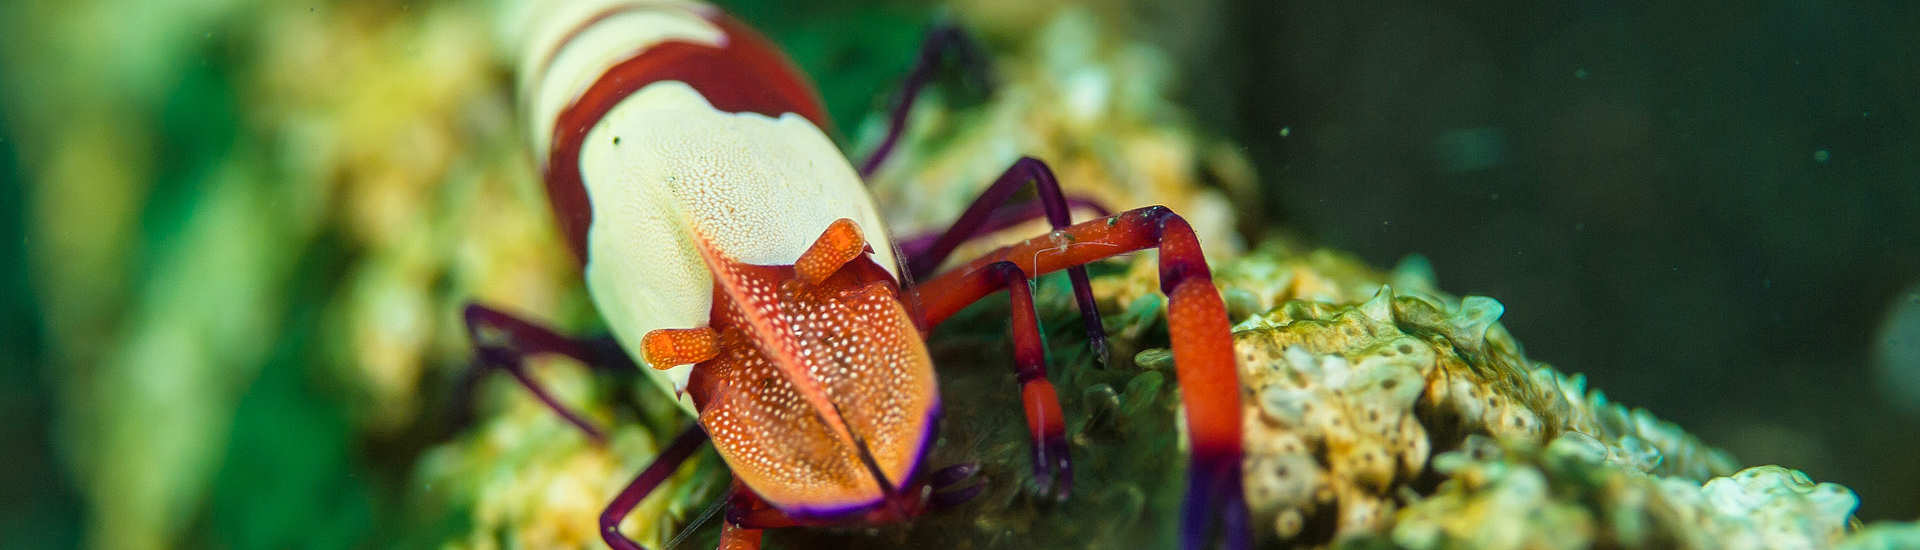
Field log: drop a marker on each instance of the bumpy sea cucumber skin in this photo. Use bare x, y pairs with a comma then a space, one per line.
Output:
1413, 416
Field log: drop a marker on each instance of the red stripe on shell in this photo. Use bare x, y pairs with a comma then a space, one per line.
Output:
746, 74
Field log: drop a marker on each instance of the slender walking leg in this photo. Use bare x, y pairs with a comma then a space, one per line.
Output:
945, 482
981, 212
1196, 324
1052, 470
916, 245
504, 342
940, 41
664, 465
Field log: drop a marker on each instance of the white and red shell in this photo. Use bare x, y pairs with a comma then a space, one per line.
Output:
757, 182
686, 164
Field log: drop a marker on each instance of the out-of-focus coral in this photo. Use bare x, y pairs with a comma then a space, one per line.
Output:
526, 479
1094, 107
160, 257
1884, 536
1573, 493
415, 142
255, 148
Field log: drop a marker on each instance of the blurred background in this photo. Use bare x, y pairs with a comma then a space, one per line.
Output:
231, 227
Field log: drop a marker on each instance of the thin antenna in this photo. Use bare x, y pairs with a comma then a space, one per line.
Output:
696, 523
909, 298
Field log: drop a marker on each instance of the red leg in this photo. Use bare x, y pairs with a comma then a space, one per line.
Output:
1052, 470
940, 41
980, 214
1196, 323
664, 465
503, 341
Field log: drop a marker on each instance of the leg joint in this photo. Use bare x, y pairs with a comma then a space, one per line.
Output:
1005, 273
1180, 255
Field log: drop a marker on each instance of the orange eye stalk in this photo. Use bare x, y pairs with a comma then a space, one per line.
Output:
840, 243
670, 347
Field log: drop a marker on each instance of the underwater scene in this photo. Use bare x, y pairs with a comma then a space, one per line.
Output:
529, 274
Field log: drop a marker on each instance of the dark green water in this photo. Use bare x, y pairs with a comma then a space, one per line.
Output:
1708, 208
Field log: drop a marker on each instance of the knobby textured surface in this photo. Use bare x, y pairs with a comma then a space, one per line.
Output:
1412, 418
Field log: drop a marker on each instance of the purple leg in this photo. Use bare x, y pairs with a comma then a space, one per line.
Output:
938, 43
662, 466
1046, 425
956, 497
1215, 499
980, 215
945, 480
1002, 219
1009, 217
504, 342
946, 477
